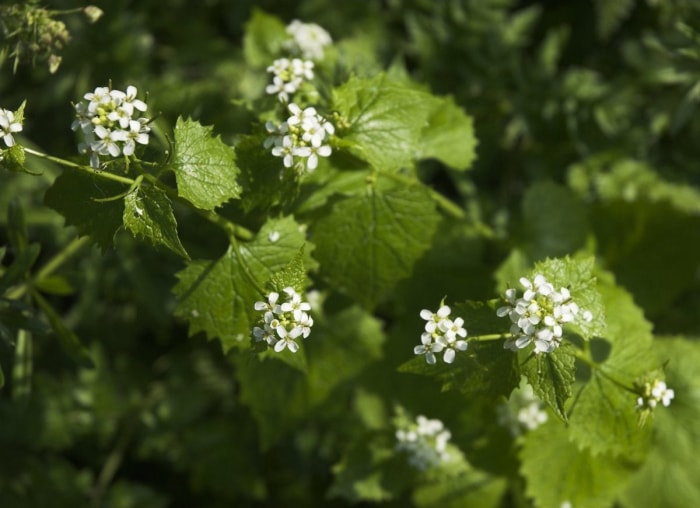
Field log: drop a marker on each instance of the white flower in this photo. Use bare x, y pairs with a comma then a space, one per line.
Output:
441, 333
282, 323
425, 441
309, 38
522, 412
428, 348
8, 126
110, 123
537, 317
653, 393
288, 76
299, 140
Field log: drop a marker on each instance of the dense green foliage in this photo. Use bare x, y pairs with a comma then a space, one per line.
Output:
475, 142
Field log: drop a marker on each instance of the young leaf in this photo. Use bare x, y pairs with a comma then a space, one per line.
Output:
556, 471
205, 168
148, 213
73, 195
551, 376
217, 297
368, 242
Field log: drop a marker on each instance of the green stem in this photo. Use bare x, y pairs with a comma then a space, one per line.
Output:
489, 336
69, 164
51, 266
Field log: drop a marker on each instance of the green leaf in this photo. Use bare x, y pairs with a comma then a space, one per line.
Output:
205, 168
69, 340
557, 472
554, 220
470, 488
605, 419
73, 195
610, 15
264, 39
485, 369
293, 275
368, 242
449, 136
551, 376
671, 474
383, 120
279, 395
148, 214
19, 270
636, 215
370, 470
217, 297
339, 347
577, 275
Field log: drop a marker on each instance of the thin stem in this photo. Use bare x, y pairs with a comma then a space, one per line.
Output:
51, 266
489, 336
69, 164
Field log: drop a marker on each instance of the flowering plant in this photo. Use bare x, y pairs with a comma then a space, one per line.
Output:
402, 253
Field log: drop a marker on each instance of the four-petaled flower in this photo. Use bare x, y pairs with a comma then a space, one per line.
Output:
8, 126
441, 334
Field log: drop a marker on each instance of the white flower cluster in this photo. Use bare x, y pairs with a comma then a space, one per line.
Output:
537, 316
111, 123
425, 442
304, 136
8, 126
522, 412
309, 39
654, 393
288, 75
283, 323
441, 334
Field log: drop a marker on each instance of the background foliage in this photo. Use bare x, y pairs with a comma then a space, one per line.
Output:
587, 127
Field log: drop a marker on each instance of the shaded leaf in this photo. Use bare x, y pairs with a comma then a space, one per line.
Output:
148, 214
368, 242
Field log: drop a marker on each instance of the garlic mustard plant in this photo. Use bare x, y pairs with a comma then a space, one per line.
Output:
441, 334
111, 123
301, 140
538, 316
283, 323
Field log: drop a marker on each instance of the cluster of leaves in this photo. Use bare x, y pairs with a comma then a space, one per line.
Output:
131, 377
